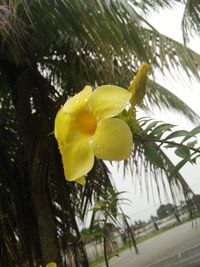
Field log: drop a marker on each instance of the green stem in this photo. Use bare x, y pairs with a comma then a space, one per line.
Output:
104, 242
105, 252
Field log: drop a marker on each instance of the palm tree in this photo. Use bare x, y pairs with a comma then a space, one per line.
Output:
49, 51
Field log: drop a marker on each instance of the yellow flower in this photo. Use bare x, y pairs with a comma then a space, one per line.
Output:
50, 264
85, 127
138, 85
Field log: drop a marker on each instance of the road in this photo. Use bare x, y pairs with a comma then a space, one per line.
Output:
178, 247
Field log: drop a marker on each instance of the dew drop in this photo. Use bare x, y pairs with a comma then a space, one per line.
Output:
91, 141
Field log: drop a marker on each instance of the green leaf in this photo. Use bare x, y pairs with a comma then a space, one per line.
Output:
110, 225
183, 152
170, 145
95, 233
191, 144
152, 155
177, 134
150, 126
178, 167
195, 158
194, 132
160, 97
159, 130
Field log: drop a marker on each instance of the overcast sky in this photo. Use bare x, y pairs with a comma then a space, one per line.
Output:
167, 22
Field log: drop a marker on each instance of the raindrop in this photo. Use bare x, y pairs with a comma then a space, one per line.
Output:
91, 141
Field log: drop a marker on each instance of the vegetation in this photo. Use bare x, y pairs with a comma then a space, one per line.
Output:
165, 210
105, 221
49, 51
139, 240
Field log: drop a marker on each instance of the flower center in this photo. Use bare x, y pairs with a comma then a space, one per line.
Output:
85, 122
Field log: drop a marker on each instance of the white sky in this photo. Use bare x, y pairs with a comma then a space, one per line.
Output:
167, 22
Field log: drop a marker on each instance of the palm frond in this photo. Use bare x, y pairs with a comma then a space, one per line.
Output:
167, 54
117, 21
160, 97
156, 169
147, 6
191, 19
19, 244
35, 172
98, 181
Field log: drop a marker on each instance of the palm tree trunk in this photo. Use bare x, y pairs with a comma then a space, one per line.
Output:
23, 86
47, 229
28, 84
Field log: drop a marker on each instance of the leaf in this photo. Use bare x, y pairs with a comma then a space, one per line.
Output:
152, 155
178, 167
191, 144
196, 130
169, 146
183, 152
195, 158
177, 134
160, 97
190, 20
159, 130
191, 134
110, 226
97, 234
150, 126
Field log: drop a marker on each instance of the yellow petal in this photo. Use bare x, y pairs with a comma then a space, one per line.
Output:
62, 127
138, 85
112, 140
81, 180
108, 100
78, 102
51, 264
77, 157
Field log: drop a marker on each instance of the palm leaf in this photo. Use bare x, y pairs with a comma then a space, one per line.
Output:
98, 181
158, 168
191, 19
158, 96
170, 54
105, 38
147, 6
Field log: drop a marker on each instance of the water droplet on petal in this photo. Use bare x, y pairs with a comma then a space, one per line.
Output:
90, 140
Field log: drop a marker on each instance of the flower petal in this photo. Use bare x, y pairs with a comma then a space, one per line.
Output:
62, 127
138, 85
108, 100
78, 102
51, 264
112, 140
81, 180
78, 158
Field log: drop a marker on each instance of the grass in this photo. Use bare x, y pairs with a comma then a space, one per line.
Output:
113, 254
140, 240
